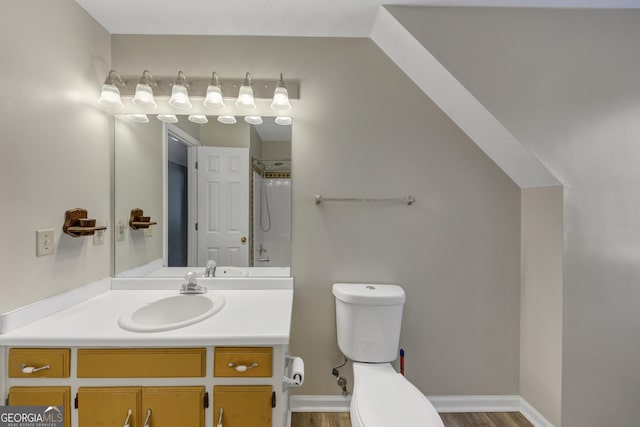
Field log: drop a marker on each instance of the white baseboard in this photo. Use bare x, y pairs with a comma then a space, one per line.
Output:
307, 403
532, 414
508, 403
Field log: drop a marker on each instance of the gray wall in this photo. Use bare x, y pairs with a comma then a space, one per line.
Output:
565, 83
55, 151
541, 301
362, 129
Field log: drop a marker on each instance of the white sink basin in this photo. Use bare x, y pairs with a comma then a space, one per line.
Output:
171, 312
222, 271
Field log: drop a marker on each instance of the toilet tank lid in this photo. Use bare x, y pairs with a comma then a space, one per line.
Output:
369, 293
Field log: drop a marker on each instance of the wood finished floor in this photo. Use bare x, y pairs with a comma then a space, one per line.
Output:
488, 419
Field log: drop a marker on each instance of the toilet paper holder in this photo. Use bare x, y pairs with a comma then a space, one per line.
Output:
293, 372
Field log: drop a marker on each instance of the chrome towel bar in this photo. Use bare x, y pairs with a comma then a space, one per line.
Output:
409, 200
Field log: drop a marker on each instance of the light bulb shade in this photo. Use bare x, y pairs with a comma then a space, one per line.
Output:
283, 120
245, 98
198, 118
180, 97
281, 99
227, 120
144, 96
213, 98
168, 118
253, 120
110, 96
138, 118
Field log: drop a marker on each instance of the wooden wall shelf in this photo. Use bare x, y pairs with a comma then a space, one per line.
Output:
138, 221
77, 224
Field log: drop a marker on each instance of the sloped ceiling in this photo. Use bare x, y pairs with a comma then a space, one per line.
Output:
304, 18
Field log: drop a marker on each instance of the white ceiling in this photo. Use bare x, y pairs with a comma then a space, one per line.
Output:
303, 18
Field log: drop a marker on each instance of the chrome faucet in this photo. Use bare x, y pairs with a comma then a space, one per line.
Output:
211, 269
192, 287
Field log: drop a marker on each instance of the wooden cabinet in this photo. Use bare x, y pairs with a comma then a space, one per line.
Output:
172, 383
243, 406
141, 363
39, 362
43, 396
168, 406
254, 362
174, 406
108, 406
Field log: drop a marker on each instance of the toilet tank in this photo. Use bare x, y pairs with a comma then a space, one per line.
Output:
368, 320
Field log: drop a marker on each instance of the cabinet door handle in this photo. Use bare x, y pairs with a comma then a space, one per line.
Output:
220, 418
126, 421
30, 369
146, 420
242, 368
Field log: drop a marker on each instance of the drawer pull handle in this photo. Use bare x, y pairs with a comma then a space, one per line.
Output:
146, 420
30, 369
126, 422
242, 368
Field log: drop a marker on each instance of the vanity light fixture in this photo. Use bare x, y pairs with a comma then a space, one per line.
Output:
144, 93
283, 120
110, 95
214, 93
227, 120
138, 118
168, 118
179, 93
253, 120
198, 118
245, 94
281, 97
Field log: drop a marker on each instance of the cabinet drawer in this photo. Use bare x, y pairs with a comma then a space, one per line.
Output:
141, 363
56, 358
242, 362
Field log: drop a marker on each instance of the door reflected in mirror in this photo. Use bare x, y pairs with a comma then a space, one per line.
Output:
217, 192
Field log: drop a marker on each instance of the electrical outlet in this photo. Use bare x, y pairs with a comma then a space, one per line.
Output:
98, 237
44, 242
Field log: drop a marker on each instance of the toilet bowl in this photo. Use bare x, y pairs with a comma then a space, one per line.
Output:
384, 398
368, 319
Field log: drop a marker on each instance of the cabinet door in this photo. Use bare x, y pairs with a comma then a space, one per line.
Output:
243, 406
108, 406
173, 406
43, 396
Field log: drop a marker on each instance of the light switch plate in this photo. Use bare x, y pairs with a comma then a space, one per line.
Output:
44, 242
120, 231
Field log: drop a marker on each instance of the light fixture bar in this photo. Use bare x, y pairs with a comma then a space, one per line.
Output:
262, 88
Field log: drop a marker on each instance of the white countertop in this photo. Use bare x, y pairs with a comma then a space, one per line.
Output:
249, 317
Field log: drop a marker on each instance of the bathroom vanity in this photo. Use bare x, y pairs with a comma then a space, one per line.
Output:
231, 363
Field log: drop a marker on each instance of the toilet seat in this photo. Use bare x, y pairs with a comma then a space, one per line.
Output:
385, 399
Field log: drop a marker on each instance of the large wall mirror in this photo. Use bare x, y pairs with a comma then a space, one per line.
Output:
187, 193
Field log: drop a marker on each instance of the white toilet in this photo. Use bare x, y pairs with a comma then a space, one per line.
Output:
368, 318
